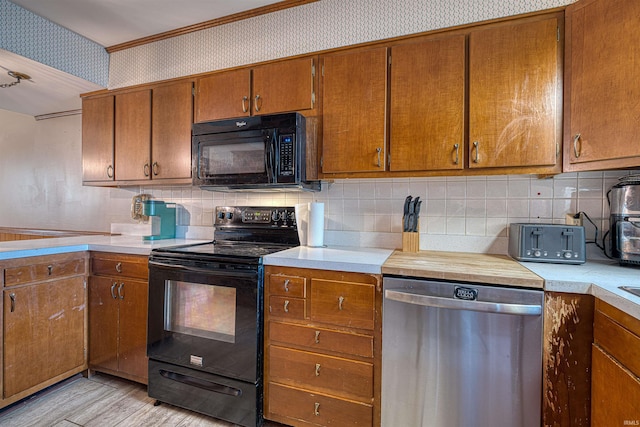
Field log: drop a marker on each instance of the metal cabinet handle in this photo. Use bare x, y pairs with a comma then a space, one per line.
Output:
146, 169
286, 306
49, 270
340, 301
576, 139
286, 285
120, 294
110, 171
13, 301
244, 104
316, 407
255, 103
113, 287
317, 369
317, 339
475, 147
456, 147
119, 267
378, 151
154, 168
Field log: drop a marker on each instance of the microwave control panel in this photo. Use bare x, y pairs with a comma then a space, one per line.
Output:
287, 154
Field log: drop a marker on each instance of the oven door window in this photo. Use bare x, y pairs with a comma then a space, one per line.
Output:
206, 311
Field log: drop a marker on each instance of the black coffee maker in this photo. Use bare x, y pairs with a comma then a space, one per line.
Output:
624, 220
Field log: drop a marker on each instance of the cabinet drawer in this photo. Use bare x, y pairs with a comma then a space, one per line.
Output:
291, 286
333, 375
126, 267
343, 303
317, 408
617, 340
290, 308
320, 339
43, 271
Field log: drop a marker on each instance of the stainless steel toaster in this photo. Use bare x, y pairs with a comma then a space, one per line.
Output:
564, 244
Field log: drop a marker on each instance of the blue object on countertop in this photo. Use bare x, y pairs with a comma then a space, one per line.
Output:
165, 214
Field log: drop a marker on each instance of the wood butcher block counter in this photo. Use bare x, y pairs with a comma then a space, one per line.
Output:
458, 266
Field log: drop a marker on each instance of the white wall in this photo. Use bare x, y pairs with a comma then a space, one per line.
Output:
41, 178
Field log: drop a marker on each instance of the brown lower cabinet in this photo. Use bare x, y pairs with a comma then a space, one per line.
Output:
118, 302
615, 389
322, 347
44, 322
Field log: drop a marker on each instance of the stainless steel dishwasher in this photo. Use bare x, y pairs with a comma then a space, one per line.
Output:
460, 354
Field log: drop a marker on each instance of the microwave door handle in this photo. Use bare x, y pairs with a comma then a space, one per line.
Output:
270, 153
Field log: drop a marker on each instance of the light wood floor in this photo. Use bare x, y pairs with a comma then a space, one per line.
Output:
103, 401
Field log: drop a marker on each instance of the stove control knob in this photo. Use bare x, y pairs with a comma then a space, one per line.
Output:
275, 216
220, 215
229, 215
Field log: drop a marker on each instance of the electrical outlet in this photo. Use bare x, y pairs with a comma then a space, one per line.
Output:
573, 219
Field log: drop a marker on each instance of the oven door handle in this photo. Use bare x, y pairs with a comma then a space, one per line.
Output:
213, 272
458, 304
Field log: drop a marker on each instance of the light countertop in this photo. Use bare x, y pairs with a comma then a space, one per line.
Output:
338, 258
120, 244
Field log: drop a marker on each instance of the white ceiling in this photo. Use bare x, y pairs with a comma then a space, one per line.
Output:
108, 23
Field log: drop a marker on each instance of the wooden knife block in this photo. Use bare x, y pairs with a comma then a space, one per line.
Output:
410, 241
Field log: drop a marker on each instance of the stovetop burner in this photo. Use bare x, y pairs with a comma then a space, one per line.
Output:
243, 232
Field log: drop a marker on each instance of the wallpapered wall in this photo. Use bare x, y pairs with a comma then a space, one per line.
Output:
313, 27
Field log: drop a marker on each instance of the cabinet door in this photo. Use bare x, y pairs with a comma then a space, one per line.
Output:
427, 105
283, 86
132, 348
615, 392
97, 139
223, 95
43, 332
172, 117
602, 62
133, 135
354, 111
514, 95
103, 322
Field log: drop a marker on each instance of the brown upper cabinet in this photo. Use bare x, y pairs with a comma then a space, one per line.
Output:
354, 93
602, 87
515, 95
427, 104
97, 139
139, 135
276, 87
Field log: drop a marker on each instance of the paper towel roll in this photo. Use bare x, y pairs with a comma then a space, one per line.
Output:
315, 234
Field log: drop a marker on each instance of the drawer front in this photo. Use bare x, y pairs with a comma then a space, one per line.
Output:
288, 308
332, 375
120, 268
291, 286
621, 343
317, 408
320, 339
343, 303
43, 271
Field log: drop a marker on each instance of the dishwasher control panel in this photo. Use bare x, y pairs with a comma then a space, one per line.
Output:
557, 243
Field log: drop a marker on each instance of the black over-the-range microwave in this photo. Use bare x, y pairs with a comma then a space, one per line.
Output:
251, 153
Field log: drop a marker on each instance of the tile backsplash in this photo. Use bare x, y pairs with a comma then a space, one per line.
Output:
459, 213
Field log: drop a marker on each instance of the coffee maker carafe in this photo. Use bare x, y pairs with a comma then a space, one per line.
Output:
624, 221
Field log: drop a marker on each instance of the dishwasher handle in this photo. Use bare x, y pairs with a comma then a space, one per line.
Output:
409, 297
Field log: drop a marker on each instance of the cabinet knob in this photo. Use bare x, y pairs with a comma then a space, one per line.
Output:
110, 171
317, 339
119, 267
12, 296
316, 407
456, 148
154, 168
256, 103
317, 369
475, 147
286, 306
286, 285
244, 105
113, 290
576, 151
145, 169
340, 301
49, 270
379, 162
120, 294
